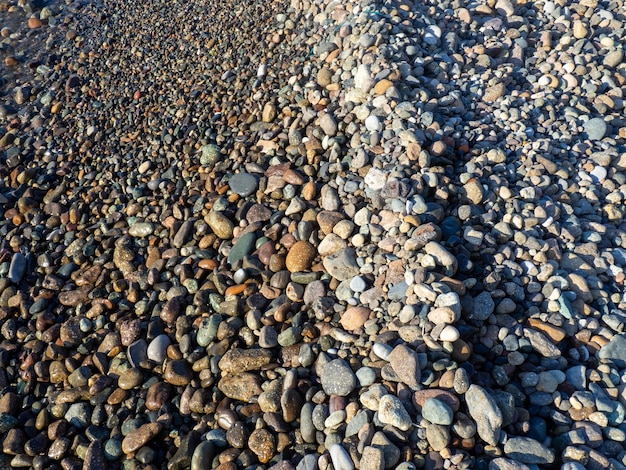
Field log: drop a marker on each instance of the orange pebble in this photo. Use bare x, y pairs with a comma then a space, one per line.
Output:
235, 290
34, 23
209, 264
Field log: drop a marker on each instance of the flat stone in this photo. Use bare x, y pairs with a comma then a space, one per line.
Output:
595, 128
528, 451
342, 264
243, 184
243, 360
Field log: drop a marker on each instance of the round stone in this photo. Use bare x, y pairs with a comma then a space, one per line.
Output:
178, 372
243, 184
300, 256
595, 128
337, 378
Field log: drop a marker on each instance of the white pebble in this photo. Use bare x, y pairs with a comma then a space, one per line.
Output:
341, 459
449, 334
372, 124
382, 350
432, 35
240, 276
357, 284
598, 173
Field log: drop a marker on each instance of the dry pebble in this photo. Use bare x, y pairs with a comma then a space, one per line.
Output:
312, 235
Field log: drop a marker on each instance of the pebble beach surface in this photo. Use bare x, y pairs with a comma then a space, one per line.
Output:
312, 235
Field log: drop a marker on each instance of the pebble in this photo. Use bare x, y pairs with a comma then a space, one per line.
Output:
432, 34
595, 128
140, 437
337, 378
342, 264
437, 412
405, 363
243, 184
157, 349
392, 411
356, 239
300, 256
483, 307
528, 451
17, 268
372, 459
484, 410
354, 318
340, 458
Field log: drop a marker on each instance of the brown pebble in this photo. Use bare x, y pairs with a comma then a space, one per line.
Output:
140, 437
262, 443
300, 256
178, 372
241, 386
354, 317
243, 360
158, 394
34, 23
449, 398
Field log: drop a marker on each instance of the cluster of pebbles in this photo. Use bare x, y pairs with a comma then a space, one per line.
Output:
318, 234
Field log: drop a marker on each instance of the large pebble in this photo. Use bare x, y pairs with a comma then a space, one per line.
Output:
392, 411
529, 451
337, 378
483, 408
300, 256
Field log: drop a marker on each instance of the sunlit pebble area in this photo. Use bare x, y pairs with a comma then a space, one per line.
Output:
306, 235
